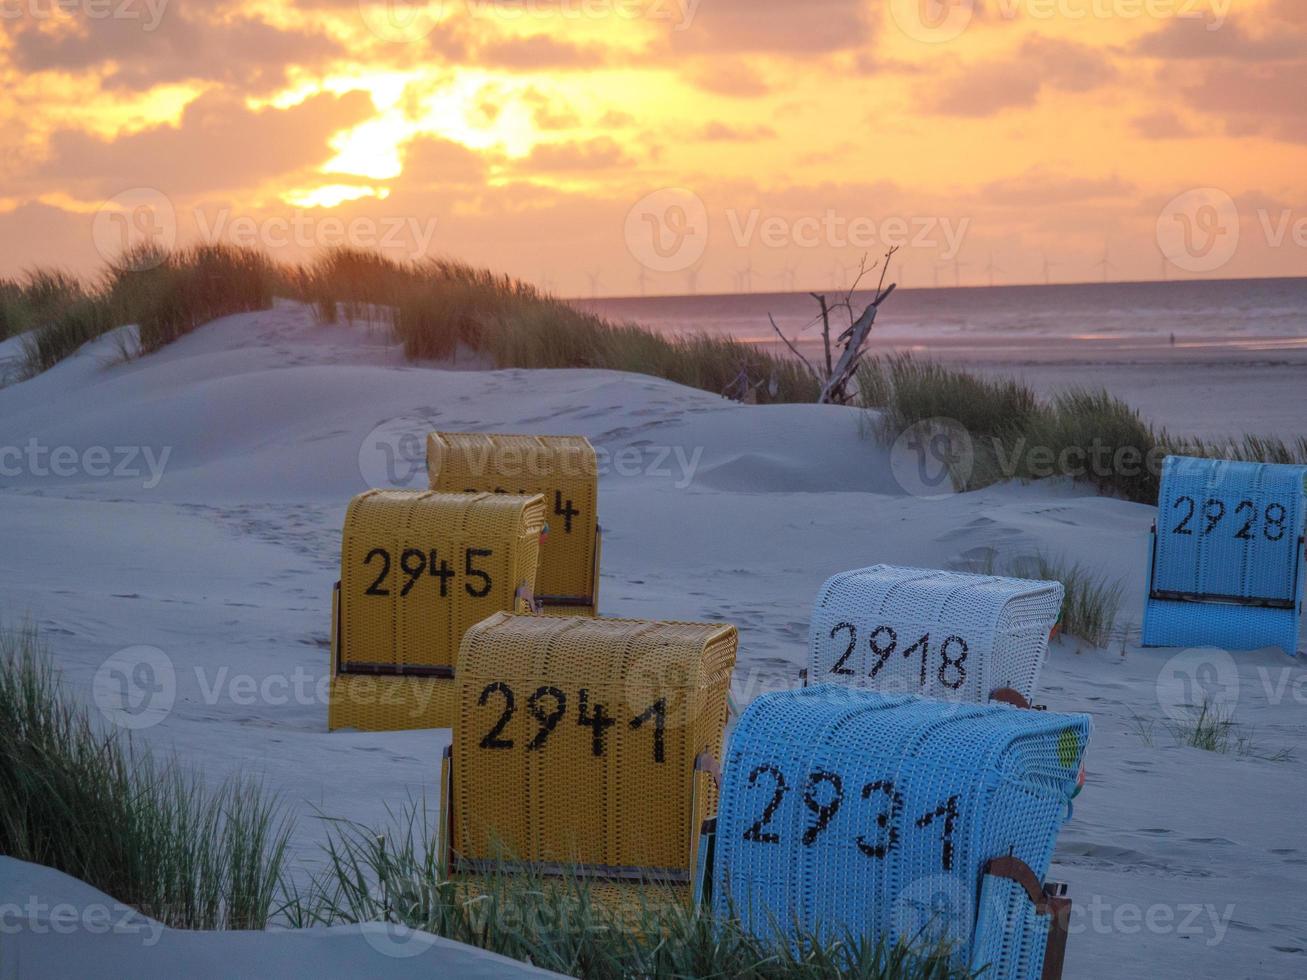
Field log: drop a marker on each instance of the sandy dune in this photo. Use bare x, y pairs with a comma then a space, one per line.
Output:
222, 551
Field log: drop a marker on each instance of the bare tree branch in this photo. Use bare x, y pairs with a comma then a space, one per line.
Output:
793, 349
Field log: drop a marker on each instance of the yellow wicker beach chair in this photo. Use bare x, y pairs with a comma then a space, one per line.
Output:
587, 746
561, 468
417, 569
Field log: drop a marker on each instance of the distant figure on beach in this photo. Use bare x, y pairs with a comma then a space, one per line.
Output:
1172, 339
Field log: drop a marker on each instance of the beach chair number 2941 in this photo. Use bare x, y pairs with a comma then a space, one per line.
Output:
1273, 521
548, 706
823, 795
884, 642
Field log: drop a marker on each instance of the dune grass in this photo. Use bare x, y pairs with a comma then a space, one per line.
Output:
34, 297
434, 307
439, 306
1091, 603
166, 294
561, 924
86, 801
1081, 433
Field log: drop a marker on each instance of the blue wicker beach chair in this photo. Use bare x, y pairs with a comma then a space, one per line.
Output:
891, 816
947, 635
1227, 555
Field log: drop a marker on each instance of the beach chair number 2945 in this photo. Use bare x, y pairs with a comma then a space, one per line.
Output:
826, 802
414, 563
884, 642
1273, 520
548, 706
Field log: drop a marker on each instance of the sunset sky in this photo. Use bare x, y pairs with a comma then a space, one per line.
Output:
620, 146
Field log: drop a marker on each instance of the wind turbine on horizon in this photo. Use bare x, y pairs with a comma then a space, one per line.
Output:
744, 278
641, 278
692, 280
595, 283
958, 266
1105, 263
990, 268
787, 276
1048, 279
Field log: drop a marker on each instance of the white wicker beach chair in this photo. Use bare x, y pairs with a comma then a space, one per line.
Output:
942, 634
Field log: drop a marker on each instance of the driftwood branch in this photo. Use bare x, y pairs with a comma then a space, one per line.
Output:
839, 373
794, 350
825, 328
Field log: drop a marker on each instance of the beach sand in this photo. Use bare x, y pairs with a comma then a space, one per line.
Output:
1181, 862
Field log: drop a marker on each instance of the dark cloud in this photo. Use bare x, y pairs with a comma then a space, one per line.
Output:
595, 154
430, 161
1162, 125
1183, 39
776, 26
1254, 100
717, 131
36, 234
1039, 187
536, 52
244, 52
218, 144
734, 78
1039, 63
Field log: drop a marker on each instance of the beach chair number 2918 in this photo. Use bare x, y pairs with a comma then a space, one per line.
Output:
884, 641
1273, 520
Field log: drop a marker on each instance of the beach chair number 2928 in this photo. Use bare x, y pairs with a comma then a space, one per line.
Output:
823, 795
884, 643
1273, 521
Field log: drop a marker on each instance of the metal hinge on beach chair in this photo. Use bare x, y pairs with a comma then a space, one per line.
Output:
847, 811
1226, 555
587, 747
417, 569
949, 635
565, 471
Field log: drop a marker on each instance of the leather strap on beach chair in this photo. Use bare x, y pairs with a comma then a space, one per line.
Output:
1049, 900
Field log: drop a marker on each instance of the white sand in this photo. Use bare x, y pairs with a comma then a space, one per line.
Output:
226, 565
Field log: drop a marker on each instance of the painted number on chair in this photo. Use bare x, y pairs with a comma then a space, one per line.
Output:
951, 653
549, 706
823, 796
562, 506
414, 563
1247, 520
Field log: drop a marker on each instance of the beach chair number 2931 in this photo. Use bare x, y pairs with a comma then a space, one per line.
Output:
1273, 520
823, 795
884, 643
